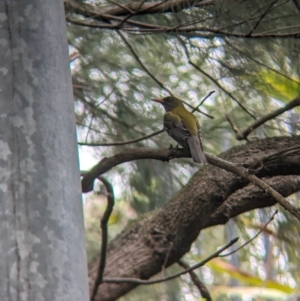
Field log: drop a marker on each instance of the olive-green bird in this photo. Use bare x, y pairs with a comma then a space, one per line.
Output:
183, 127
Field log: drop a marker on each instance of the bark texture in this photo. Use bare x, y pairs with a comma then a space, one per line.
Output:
211, 197
42, 249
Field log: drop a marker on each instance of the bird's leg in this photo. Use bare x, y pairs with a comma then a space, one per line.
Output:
176, 147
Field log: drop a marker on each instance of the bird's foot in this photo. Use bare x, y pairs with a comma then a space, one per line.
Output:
176, 147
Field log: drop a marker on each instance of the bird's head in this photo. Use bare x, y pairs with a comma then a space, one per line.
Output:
169, 102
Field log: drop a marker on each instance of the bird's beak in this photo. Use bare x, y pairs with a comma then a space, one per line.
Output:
159, 100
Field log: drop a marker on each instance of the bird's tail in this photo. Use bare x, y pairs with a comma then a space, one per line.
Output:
196, 150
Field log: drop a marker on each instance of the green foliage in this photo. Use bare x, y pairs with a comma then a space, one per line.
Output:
118, 71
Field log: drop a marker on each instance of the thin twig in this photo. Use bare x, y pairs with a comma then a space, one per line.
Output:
167, 258
203, 99
126, 9
90, 11
256, 235
197, 109
198, 265
117, 143
260, 18
273, 157
243, 135
213, 80
202, 32
96, 130
97, 14
255, 60
154, 7
277, 196
94, 24
145, 68
81, 87
104, 221
89, 127
122, 142
200, 285
131, 13
74, 56
134, 54
233, 125
252, 18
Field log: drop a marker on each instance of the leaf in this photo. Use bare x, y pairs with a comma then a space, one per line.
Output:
253, 292
278, 86
225, 267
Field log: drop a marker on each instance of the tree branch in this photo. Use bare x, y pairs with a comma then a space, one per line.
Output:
128, 155
261, 17
234, 126
135, 7
156, 7
200, 285
139, 252
117, 143
241, 135
167, 154
250, 240
277, 196
137, 58
104, 221
214, 81
188, 270
251, 197
297, 4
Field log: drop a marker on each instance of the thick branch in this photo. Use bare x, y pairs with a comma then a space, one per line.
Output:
140, 251
128, 155
251, 197
226, 165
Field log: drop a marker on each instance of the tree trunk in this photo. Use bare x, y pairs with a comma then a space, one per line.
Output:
42, 249
211, 197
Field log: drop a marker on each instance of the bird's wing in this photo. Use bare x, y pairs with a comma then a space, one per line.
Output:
176, 129
180, 133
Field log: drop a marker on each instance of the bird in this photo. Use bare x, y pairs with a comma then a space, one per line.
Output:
183, 127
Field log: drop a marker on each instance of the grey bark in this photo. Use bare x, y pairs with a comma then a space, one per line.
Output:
42, 249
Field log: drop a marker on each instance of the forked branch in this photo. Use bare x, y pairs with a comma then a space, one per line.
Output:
242, 135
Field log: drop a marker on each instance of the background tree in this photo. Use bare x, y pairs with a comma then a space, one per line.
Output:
125, 53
